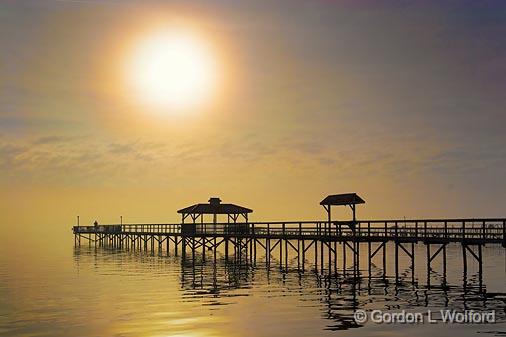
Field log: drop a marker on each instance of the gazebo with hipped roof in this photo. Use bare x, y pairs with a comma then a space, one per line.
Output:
346, 199
214, 208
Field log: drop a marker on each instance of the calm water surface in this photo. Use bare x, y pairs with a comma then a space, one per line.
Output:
85, 291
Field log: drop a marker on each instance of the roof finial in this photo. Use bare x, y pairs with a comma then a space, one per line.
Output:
214, 201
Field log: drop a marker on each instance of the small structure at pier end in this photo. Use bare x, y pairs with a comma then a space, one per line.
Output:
214, 207
347, 199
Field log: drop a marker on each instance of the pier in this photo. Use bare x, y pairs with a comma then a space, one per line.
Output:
325, 242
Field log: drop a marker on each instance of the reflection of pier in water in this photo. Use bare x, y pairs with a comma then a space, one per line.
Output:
218, 280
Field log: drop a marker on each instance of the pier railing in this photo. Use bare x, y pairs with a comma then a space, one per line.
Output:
486, 230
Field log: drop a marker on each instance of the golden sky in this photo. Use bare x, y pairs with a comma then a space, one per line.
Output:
401, 104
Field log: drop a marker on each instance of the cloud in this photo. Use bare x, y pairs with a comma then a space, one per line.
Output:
94, 160
122, 148
48, 140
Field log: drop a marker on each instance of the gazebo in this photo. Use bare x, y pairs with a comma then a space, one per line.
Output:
214, 208
347, 199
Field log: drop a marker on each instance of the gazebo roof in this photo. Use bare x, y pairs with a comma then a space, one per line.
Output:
342, 199
214, 207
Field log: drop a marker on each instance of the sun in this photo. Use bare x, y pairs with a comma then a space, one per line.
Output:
172, 70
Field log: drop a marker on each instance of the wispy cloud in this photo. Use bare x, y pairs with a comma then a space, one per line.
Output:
58, 159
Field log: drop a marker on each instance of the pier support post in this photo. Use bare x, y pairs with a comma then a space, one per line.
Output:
315, 242
335, 258
267, 252
385, 259
444, 264
504, 233
428, 264
183, 247
430, 257
396, 262
298, 255
215, 248
303, 255
369, 259
250, 243
478, 257
413, 262
286, 254
329, 252
410, 254
344, 257
322, 256
357, 254
464, 260
203, 249
480, 268
193, 248
280, 254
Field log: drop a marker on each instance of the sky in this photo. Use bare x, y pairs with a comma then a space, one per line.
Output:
400, 101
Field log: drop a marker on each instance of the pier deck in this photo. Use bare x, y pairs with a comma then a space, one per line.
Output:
471, 231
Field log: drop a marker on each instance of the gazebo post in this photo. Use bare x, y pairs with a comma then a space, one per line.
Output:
215, 220
330, 216
354, 223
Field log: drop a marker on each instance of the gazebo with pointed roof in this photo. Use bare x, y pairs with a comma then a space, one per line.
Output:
346, 199
214, 207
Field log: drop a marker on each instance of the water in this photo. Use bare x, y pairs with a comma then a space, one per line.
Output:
62, 290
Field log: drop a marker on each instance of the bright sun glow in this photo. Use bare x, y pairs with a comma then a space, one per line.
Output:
172, 70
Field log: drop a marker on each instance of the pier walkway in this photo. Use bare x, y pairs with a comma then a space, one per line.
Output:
469, 231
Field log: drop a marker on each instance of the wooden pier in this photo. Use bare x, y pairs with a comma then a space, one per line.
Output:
301, 236
321, 241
